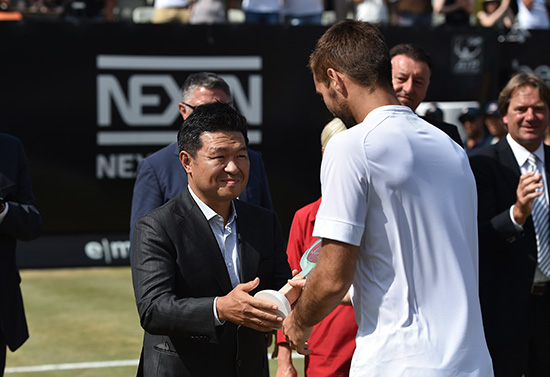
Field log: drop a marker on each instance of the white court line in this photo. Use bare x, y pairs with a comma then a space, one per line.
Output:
89, 365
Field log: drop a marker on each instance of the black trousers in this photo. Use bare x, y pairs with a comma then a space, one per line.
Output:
528, 352
3, 348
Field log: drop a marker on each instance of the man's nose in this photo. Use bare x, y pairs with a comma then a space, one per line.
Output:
231, 166
530, 114
407, 86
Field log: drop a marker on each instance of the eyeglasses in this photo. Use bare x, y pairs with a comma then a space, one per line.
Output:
189, 106
194, 107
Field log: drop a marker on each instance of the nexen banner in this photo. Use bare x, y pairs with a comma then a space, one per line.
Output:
148, 120
90, 100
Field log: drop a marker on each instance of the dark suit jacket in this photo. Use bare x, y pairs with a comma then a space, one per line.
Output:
449, 129
160, 177
22, 222
178, 269
507, 258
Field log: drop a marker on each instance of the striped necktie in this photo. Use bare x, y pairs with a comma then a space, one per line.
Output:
540, 219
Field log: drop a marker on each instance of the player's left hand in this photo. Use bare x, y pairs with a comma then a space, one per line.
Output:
296, 336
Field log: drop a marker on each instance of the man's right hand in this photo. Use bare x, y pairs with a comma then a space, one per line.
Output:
526, 194
239, 307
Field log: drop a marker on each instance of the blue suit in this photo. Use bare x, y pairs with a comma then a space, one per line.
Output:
160, 177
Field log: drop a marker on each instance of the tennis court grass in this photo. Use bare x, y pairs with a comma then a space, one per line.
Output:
82, 315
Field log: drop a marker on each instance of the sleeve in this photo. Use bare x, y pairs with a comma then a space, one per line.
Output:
154, 269
257, 189
147, 193
344, 187
496, 228
294, 252
282, 270
265, 200
296, 242
23, 221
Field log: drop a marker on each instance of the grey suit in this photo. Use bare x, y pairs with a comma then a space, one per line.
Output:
178, 269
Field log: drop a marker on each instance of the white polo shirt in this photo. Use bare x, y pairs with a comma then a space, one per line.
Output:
403, 191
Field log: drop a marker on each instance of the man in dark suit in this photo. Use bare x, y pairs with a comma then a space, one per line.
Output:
411, 73
514, 275
197, 259
19, 220
159, 176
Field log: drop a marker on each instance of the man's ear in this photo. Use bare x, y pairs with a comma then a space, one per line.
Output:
184, 111
337, 81
185, 159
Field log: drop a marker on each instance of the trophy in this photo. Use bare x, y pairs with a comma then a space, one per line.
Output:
287, 295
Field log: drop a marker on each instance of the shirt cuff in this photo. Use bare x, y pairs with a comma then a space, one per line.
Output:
5, 212
518, 227
217, 321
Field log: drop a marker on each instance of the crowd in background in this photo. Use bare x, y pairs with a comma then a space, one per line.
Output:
505, 14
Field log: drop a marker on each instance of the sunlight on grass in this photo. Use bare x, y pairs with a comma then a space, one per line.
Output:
79, 315
82, 315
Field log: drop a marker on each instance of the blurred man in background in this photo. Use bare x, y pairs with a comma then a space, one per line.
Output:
19, 220
411, 74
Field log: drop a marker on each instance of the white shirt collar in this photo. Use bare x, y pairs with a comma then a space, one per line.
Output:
386, 108
208, 212
521, 153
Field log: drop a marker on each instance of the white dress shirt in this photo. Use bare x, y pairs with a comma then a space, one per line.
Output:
226, 236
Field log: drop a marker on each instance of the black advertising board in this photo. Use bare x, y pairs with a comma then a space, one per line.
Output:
90, 100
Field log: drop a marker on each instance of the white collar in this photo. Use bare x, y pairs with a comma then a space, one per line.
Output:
208, 212
521, 153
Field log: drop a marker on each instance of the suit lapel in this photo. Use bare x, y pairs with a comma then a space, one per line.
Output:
507, 158
249, 256
198, 231
508, 161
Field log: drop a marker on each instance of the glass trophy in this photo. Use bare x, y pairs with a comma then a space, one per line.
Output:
287, 295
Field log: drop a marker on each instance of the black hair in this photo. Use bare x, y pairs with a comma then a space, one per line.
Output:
413, 52
210, 117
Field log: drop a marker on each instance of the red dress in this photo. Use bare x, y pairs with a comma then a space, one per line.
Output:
333, 339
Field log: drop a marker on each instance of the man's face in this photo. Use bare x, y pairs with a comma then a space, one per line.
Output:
527, 117
410, 80
201, 96
473, 126
495, 125
219, 171
335, 103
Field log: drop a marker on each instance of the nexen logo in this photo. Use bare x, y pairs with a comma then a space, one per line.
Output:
131, 105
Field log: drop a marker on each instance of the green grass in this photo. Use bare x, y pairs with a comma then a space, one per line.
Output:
82, 315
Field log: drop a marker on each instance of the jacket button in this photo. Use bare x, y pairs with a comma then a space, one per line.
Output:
239, 363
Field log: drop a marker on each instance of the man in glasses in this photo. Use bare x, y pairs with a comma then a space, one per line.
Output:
160, 176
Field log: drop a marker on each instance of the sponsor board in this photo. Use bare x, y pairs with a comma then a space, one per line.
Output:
137, 100
83, 250
106, 96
